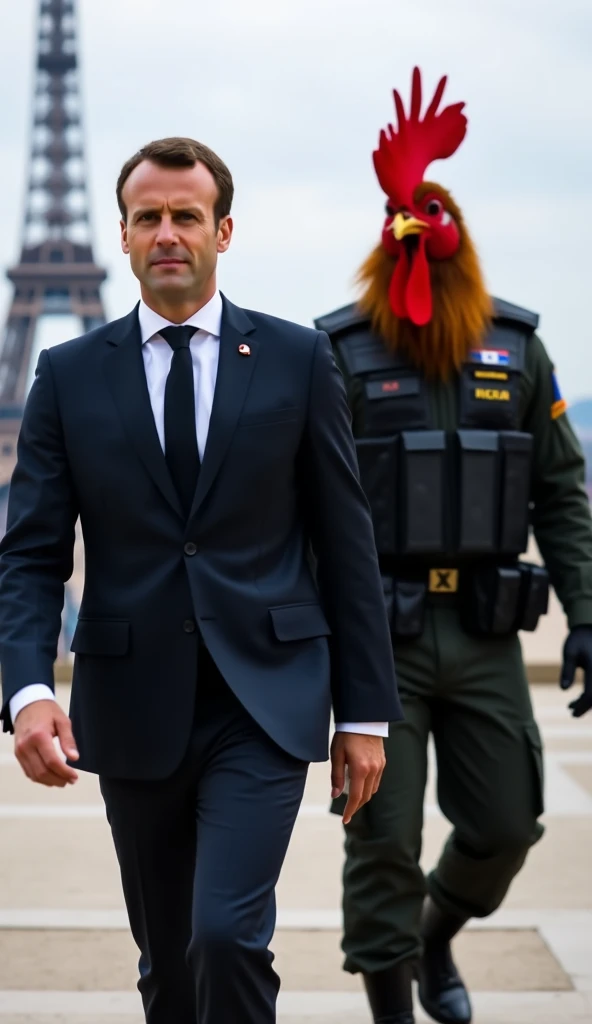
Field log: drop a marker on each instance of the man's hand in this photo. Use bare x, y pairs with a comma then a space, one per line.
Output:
365, 760
577, 653
34, 731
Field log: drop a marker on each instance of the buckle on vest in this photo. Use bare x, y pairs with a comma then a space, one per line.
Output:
443, 581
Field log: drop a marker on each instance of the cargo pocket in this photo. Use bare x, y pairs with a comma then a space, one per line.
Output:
360, 827
337, 805
535, 744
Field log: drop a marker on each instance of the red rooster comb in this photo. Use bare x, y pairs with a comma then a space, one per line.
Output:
403, 156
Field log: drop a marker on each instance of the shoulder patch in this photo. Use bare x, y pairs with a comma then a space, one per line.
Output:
559, 405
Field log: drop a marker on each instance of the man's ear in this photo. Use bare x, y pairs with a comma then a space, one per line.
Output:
124, 245
224, 233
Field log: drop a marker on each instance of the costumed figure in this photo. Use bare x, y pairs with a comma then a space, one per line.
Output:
463, 445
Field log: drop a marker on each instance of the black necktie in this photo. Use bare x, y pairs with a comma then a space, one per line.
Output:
180, 437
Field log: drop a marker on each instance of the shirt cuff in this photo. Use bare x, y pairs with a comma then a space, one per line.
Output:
29, 694
363, 728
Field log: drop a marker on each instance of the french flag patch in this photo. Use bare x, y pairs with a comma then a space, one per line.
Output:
491, 356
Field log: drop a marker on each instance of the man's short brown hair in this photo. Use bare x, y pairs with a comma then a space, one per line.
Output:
179, 152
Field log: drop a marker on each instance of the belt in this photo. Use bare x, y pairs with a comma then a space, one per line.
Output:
443, 581
441, 585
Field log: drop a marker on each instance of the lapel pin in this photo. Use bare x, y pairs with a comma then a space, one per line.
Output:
244, 350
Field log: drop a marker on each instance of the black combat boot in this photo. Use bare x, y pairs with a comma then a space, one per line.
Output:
390, 994
442, 992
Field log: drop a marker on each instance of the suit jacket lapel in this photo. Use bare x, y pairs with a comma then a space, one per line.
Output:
232, 383
124, 368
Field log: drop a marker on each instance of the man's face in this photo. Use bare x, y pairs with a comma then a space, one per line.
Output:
170, 233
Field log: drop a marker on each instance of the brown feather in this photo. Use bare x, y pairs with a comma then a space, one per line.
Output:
462, 308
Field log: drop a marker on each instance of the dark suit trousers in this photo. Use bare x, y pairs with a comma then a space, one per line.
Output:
200, 854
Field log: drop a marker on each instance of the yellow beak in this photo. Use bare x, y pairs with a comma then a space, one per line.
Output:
404, 225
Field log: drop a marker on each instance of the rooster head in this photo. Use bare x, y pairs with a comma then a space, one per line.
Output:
423, 284
419, 224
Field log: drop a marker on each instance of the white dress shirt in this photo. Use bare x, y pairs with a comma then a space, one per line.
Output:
157, 354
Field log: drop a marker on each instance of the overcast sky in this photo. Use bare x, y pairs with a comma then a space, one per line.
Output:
293, 94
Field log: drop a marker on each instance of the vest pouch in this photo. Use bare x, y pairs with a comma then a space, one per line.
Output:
408, 609
516, 466
377, 462
422, 474
478, 484
534, 596
490, 600
394, 402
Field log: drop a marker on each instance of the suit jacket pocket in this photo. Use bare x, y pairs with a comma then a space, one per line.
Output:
299, 621
101, 637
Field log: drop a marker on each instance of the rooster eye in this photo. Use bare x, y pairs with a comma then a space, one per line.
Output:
434, 207
389, 210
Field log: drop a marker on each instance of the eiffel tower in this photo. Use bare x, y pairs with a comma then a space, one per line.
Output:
56, 272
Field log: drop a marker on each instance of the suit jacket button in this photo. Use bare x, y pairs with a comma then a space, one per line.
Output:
190, 548
189, 626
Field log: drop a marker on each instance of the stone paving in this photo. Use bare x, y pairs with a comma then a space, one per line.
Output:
66, 956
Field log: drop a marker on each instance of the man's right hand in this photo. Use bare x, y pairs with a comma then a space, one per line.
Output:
34, 731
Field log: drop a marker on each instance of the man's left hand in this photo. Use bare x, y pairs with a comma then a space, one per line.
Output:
577, 653
365, 760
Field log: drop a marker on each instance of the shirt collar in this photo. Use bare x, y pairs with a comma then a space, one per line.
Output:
208, 318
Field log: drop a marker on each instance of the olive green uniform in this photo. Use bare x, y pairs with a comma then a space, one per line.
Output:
469, 691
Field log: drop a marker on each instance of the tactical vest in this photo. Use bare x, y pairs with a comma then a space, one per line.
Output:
438, 495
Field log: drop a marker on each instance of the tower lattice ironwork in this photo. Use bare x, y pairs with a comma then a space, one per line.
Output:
56, 271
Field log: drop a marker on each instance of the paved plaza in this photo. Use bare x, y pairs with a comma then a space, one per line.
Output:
66, 956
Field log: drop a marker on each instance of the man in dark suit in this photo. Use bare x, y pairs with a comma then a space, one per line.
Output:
232, 593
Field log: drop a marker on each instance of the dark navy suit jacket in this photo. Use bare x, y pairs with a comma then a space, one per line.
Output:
275, 568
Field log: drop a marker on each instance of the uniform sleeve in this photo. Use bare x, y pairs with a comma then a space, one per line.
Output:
561, 516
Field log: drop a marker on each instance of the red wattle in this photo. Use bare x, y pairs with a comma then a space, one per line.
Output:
418, 293
398, 286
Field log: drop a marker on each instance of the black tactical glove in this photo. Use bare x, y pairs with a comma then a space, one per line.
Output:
577, 653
